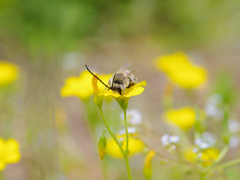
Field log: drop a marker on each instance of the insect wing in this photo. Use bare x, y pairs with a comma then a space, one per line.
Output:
133, 69
124, 66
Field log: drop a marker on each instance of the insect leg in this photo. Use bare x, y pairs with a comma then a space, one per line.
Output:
109, 84
123, 86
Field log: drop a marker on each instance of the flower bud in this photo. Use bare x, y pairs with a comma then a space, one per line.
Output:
102, 143
147, 170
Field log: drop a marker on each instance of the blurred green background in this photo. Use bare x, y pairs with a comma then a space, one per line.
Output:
52, 40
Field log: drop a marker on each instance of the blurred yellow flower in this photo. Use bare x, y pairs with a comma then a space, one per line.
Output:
206, 157
184, 117
170, 63
8, 72
135, 146
9, 152
81, 86
191, 77
181, 71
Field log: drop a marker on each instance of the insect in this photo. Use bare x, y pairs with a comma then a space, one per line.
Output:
121, 79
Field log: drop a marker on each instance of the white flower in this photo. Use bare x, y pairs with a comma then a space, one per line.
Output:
201, 144
131, 130
215, 99
211, 110
174, 139
195, 150
209, 138
173, 147
234, 141
204, 145
167, 140
121, 139
198, 141
233, 126
199, 155
134, 117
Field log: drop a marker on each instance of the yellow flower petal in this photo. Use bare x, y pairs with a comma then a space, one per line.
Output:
8, 72
184, 117
190, 78
81, 86
9, 152
11, 145
112, 149
169, 63
132, 91
181, 71
129, 92
98, 99
135, 146
94, 85
2, 165
207, 158
2, 149
12, 151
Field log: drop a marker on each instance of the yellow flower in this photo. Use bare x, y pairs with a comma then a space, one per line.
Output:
81, 86
8, 72
206, 157
181, 71
129, 92
9, 152
184, 117
189, 78
135, 146
170, 63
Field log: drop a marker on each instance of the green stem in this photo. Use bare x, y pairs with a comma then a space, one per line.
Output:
202, 176
125, 153
91, 116
104, 170
126, 129
128, 168
126, 150
222, 154
110, 132
227, 164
